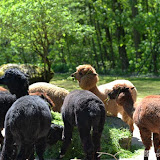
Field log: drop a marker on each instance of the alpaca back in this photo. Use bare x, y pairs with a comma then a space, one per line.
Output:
55, 93
6, 100
111, 105
32, 116
106, 88
147, 113
83, 103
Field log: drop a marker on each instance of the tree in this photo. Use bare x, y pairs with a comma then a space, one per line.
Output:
38, 26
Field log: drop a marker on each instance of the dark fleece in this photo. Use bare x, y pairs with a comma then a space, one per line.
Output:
85, 110
16, 81
55, 134
27, 123
6, 100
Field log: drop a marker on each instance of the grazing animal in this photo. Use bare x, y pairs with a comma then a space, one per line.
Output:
85, 110
55, 134
27, 121
6, 100
145, 114
88, 78
56, 94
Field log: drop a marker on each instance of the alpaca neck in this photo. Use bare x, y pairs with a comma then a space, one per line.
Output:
21, 94
128, 106
129, 109
96, 91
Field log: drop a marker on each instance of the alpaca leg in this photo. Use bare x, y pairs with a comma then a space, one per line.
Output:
128, 120
7, 150
84, 128
26, 151
21, 154
40, 148
30, 151
146, 139
98, 126
156, 142
67, 136
1, 138
87, 142
31, 156
96, 136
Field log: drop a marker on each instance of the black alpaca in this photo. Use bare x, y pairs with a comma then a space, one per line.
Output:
85, 110
6, 100
27, 121
55, 134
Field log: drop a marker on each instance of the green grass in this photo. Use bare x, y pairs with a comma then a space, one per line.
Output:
145, 86
64, 80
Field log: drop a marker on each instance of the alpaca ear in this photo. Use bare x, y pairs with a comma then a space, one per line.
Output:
125, 89
94, 74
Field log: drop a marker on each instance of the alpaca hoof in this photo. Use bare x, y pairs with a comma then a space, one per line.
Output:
60, 156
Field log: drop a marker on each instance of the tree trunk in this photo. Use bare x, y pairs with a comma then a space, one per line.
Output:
136, 34
99, 40
121, 39
122, 49
93, 43
109, 39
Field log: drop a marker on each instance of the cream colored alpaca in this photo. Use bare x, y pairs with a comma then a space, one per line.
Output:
88, 78
55, 93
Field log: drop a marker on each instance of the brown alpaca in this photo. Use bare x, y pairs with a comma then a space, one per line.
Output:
88, 78
145, 114
46, 97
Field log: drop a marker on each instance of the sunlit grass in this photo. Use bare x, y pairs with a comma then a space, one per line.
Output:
64, 80
145, 86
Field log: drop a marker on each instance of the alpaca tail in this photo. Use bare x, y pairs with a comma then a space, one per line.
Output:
99, 120
94, 110
103, 118
97, 110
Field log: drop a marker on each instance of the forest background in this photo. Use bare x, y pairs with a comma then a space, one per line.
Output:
116, 37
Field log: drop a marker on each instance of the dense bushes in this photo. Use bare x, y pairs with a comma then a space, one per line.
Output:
35, 73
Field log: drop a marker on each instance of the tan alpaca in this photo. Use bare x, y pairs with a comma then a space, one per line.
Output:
88, 78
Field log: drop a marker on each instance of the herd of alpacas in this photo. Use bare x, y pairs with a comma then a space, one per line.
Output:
25, 114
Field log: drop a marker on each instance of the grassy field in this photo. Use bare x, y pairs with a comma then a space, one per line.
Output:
145, 85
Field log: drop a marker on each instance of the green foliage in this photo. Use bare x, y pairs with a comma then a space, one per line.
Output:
114, 36
57, 118
109, 142
63, 68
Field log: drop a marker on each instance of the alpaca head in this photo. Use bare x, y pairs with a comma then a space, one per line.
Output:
55, 134
120, 93
16, 81
86, 76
